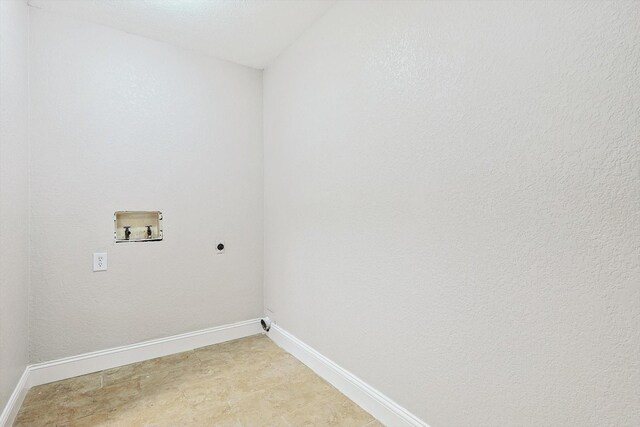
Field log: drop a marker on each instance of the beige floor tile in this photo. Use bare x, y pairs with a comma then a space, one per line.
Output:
374, 423
243, 383
333, 412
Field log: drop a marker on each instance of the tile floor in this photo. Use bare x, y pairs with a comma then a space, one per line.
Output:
246, 382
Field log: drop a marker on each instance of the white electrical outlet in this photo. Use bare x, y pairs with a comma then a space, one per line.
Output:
99, 261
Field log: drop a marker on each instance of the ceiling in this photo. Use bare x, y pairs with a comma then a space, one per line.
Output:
248, 32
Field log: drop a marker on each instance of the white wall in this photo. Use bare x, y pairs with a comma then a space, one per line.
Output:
122, 122
14, 194
451, 205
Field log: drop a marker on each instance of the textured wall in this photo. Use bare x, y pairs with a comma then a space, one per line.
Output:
14, 194
120, 122
451, 205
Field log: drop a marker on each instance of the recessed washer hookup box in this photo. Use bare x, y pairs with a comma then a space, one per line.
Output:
137, 226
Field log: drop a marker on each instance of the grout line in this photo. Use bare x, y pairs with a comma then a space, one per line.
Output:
285, 420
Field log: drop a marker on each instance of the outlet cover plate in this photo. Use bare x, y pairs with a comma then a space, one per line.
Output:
100, 261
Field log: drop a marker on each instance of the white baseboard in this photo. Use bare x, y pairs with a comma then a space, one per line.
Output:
56, 370
371, 400
377, 404
10, 411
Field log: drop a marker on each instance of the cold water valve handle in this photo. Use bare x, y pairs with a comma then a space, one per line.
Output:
148, 231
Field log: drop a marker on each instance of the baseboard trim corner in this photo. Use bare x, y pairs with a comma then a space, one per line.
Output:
371, 400
10, 411
377, 404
